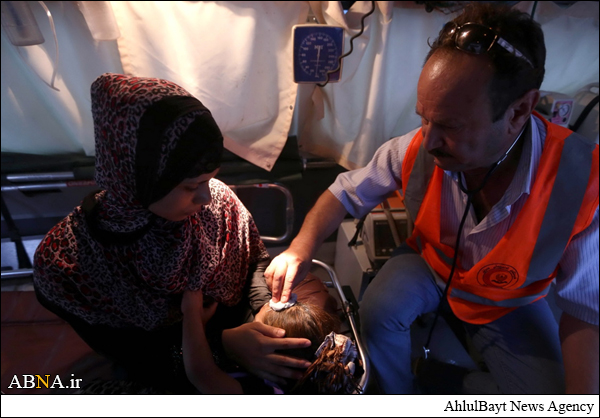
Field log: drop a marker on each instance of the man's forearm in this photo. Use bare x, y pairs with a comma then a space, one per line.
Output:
322, 220
291, 266
579, 343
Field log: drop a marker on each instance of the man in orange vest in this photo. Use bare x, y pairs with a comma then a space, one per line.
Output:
504, 204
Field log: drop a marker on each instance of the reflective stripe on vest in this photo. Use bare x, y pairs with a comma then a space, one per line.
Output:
420, 175
566, 169
506, 303
443, 256
571, 180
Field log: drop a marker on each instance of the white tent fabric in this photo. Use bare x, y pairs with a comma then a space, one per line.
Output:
572, 44
236, 58
375, 100
35, 118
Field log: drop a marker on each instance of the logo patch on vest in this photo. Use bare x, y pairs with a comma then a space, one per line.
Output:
497, 275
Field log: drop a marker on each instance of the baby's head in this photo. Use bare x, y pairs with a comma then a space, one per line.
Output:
304, 320
329, 373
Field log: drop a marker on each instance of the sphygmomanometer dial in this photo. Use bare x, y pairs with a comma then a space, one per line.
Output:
316, 52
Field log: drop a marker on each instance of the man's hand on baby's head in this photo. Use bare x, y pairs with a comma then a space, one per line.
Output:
285, 271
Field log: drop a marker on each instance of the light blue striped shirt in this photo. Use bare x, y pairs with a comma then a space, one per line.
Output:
577, 282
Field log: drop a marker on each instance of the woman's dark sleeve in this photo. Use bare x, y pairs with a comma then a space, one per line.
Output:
256, 294
258, 291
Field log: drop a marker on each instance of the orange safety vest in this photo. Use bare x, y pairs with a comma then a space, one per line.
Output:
519, 269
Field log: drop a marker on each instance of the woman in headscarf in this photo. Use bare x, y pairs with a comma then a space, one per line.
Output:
117, 267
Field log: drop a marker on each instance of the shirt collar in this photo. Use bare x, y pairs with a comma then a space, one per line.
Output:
530, 155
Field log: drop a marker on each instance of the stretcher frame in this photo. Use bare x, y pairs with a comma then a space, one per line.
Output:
58, 180
350, 311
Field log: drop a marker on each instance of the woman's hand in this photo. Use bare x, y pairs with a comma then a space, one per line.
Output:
194, 303
198, 361
255, 346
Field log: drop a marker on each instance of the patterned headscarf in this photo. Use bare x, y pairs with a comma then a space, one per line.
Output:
112, 261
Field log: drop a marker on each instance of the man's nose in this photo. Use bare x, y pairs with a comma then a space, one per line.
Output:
432, 137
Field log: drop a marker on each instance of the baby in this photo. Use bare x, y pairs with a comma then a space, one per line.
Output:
332, 371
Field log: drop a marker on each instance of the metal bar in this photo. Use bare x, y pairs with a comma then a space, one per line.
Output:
15, 274
347, 310
289, 208
318, 165
34, 187
33, 177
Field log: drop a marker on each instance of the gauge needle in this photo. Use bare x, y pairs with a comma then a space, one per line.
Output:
319, 47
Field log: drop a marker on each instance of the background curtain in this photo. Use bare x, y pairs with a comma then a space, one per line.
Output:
236, 58
375, 100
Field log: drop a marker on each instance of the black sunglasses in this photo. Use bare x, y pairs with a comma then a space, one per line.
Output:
478, 39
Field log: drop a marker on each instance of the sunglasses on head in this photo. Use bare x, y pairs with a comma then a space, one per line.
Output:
478, 39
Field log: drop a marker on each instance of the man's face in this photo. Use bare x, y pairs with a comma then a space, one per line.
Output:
456, 114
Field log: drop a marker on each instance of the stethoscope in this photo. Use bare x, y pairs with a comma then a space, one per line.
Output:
470, 194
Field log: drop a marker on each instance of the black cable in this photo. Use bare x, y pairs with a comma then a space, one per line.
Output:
584, 113
533, 10
362, 29
15, 236
359, 227
470, 194
454, 260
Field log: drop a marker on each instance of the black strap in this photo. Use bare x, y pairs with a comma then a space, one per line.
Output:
359, 227
15, 236
470, 194
584, 113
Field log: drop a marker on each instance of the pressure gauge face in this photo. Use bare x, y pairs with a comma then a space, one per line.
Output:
316, 52
561, 112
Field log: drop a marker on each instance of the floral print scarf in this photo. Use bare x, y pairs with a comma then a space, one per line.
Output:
112, 261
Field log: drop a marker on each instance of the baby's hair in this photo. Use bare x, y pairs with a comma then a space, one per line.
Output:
331, 373
327, 374
304, 320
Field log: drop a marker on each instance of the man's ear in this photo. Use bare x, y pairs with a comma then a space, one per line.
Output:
519, 111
